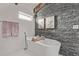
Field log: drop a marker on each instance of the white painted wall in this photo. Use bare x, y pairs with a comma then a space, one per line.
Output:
12, 44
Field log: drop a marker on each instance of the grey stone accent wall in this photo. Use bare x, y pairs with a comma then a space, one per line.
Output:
68, 36
65, 33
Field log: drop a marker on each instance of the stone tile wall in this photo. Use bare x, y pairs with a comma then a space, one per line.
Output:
65, 33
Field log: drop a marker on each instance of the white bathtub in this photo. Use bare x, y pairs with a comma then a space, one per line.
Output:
47, 47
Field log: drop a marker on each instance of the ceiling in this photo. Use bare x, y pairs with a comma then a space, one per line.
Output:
24, 7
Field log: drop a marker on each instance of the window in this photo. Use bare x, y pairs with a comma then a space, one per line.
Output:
47, 23
10, 29
50, 22
24, 16
40, 23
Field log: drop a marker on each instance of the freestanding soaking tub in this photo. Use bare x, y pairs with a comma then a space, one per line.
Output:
47, 47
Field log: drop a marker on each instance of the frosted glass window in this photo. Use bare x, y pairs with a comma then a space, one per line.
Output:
50, 22
47, 23
40, 23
